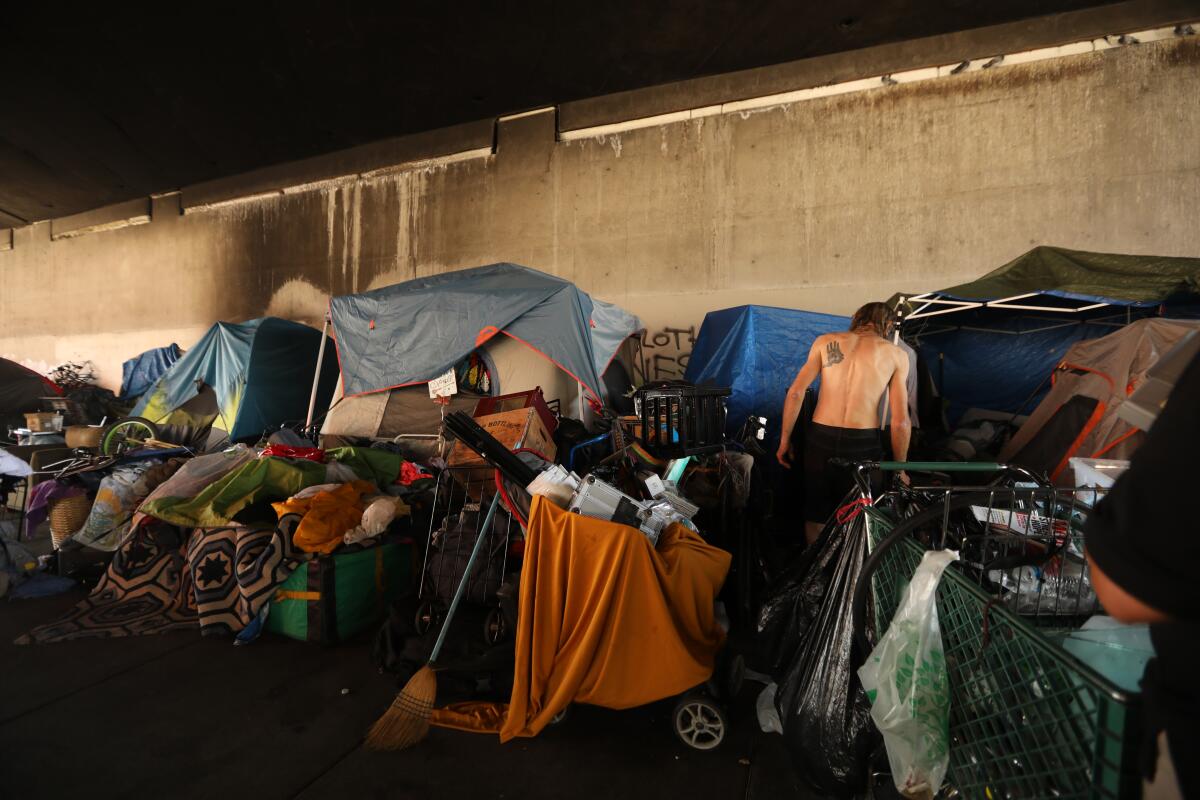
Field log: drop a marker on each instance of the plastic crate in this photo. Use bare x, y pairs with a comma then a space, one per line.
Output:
1027, 719
681, 420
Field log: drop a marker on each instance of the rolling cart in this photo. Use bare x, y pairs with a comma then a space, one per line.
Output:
461, 498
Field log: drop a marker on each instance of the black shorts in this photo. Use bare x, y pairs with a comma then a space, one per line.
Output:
826, 484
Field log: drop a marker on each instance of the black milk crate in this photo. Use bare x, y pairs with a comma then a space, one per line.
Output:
681, 420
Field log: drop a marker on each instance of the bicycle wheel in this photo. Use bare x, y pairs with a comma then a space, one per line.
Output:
125, 434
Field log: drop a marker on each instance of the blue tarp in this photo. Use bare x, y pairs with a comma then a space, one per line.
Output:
414, 331
999, 363
261, 372
140, 372
756, 351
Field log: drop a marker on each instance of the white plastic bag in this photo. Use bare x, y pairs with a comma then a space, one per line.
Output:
376, 518
905, 680
768, 715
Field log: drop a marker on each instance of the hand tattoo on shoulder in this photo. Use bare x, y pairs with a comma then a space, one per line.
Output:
833, 354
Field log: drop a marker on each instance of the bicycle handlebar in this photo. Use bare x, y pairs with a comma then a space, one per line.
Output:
862, 467
941, 466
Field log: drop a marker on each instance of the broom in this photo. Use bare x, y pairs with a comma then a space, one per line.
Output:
406, 722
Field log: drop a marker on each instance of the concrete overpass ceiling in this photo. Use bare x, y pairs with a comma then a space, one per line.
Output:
107, 102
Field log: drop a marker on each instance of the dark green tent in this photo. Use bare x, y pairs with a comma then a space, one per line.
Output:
1080, 275
243, 378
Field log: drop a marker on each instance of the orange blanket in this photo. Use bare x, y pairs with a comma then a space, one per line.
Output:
605, 618
327, 515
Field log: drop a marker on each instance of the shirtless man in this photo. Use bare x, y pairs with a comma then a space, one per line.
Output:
855, 368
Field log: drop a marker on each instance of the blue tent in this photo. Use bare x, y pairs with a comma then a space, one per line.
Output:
140, 372
756, 351
259, 371
414, 331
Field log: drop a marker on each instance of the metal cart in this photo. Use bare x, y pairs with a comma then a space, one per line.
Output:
1027, 718
461, 499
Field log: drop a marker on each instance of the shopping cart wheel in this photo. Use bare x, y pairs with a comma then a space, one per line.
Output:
495, 627
426, 617
699, 721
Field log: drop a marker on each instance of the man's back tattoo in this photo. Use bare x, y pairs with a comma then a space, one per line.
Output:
833, 354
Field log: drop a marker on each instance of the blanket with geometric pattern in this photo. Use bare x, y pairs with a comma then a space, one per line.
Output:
164, 578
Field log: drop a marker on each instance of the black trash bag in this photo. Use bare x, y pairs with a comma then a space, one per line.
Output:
450, 552
825, 713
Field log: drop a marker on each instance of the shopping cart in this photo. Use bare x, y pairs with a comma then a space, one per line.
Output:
460, 503
1027, 718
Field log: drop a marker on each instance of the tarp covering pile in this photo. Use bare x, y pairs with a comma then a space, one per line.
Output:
604, 619
140, 373
259, 371
1096, 376
756, 351
415, 331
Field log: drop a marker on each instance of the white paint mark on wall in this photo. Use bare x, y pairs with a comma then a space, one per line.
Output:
330, 213
355, 234
298, 300
40, 367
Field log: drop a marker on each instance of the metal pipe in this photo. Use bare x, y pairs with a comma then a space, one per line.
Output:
312, 398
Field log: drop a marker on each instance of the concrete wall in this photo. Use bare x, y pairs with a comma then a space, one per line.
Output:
822, 204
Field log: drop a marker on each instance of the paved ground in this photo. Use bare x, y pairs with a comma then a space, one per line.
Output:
177, 715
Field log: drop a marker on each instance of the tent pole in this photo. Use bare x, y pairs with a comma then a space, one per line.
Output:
312, 398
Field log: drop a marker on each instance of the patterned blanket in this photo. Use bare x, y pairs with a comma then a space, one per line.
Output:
219, 578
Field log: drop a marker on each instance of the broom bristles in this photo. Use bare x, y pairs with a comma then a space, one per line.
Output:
406, 722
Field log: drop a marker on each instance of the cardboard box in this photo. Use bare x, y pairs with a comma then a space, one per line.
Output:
520, 428
43, 422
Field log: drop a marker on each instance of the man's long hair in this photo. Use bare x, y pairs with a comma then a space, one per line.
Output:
874, 316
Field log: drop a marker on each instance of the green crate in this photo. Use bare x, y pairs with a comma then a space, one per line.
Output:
1027, 719
333, 597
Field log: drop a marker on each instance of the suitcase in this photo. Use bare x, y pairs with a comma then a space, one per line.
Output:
332, 597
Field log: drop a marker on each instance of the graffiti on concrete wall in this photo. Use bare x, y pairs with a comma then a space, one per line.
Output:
665, 353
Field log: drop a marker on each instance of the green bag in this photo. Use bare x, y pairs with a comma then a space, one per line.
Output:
333, 597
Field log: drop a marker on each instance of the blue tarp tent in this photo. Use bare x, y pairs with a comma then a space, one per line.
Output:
414, 331
756, 351
140, 372
260, 372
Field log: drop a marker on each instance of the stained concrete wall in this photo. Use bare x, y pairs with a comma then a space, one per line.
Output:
821, 205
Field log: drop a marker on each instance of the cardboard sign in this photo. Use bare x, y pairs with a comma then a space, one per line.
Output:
444, 385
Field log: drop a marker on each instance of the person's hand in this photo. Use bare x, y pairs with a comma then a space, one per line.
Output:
902, 476
785, 455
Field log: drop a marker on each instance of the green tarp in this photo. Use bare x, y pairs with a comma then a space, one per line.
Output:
267, 480
1080, 275
370, 464
263, 479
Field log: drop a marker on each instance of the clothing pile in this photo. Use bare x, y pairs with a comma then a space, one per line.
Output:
205, 541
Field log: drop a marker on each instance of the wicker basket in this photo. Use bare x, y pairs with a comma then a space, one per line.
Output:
67, 515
